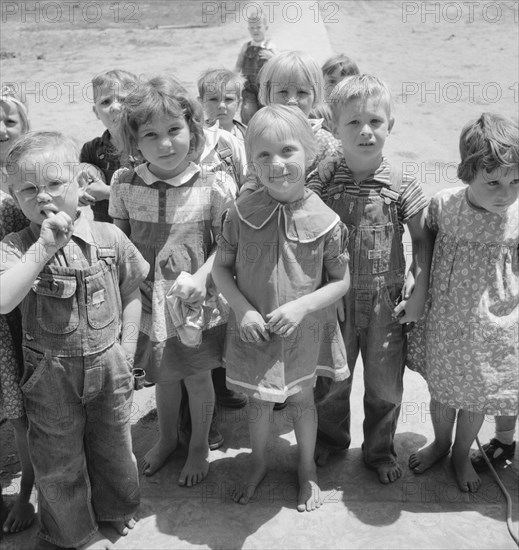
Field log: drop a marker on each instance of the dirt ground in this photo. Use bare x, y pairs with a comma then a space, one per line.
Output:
446, 62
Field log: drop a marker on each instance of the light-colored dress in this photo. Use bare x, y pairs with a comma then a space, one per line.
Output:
282, 252
470, 338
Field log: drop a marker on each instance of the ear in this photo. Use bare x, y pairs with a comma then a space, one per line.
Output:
94, 108
335, 133
14, 197
390, 126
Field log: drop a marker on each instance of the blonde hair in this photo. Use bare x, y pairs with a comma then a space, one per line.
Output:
290, 67
490, 142
117, 79
284, 122
216, 80
362, 86
346, 65
9, 95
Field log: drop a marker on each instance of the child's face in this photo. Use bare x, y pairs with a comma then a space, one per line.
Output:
11, 127
107, 104
363, 127
45, 183
293, 94
331, 80
257, 30
495, 191
280, 166
164, 142
221, 105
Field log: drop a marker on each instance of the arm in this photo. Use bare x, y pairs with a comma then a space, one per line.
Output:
95, 187
131, 305
123, 225
251, 324
239, 61
284, 319
423, 243
17, 280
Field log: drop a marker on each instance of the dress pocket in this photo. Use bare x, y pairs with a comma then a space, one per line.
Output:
57, 308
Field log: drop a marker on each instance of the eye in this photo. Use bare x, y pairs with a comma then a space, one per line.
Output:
11, 122
288, 149
514, 182
55, 185
353, 122
213, 99
376, 121
106, 102
262, 155
149, 135
492, 183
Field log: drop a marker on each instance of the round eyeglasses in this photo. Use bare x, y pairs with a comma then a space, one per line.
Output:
31, 191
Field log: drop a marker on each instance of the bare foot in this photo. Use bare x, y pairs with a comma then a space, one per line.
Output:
196, 467
389, 472
155, 458
427, 457
243, 492
20, 517
467, 478
123, 527
321, 454
97, 542
309, 497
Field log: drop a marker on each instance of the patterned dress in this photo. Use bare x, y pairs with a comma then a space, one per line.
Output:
11, 401
468, 346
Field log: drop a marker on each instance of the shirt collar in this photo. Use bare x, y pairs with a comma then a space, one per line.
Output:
148, 178
262, 44
316, 123
381, 175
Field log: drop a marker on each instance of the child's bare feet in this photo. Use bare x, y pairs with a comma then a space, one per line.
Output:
122, 527
156, 457
20, 517
422, 460
97, 542
321, 454
243, 492
389, 472
309, 497
196, 467
467, 478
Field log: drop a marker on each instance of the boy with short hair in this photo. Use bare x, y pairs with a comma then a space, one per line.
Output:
109, 90
374, 199
219, 91
253, 55
335, 69
77, 284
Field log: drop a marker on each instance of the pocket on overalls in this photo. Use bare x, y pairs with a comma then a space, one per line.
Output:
57, 308
391, 295
101, 299
34, 367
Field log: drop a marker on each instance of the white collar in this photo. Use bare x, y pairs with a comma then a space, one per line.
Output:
148, 178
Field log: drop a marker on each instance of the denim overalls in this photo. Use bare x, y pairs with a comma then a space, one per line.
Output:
77, 388
377, 267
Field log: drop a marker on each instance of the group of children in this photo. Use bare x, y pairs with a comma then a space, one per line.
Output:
282, 243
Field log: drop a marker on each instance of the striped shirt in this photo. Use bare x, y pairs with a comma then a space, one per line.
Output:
411, 201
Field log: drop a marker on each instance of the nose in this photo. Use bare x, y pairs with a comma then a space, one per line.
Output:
292, 100
3, 128
365, 130
115, 107
222, 105
43, 195
165, 142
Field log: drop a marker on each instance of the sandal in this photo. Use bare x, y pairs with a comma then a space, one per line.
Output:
496, 452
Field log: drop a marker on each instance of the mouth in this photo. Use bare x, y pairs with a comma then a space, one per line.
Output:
3, 140
369, 144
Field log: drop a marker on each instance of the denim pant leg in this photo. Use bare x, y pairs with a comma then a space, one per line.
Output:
52, 390
383, 347
112, 467
333, 398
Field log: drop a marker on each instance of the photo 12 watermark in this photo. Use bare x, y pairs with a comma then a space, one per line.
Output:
455, 92
70, 12
287, 11
459, 12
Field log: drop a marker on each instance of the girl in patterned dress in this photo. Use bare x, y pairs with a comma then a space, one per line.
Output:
172, 212
282, 264
13, 123
469, 339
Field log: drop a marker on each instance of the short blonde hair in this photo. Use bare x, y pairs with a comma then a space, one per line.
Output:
362, 86
490, 142
117, 79
10, 96
215, 80
290, 67
284, 122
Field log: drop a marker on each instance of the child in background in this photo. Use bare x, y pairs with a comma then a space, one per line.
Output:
251, 59
501, 447
335, 69
374, 199
173, 214
77, 284
109, 89
13, 123
279, 301
219, 92
473, 370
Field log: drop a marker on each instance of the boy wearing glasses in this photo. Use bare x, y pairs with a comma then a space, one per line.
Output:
77, 285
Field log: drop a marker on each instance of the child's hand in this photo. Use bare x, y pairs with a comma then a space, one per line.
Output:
341, 309
266, 54
92, 185
284, 320
408, 287
56, 231
252, 327
410, 310
189, 288
327, 168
